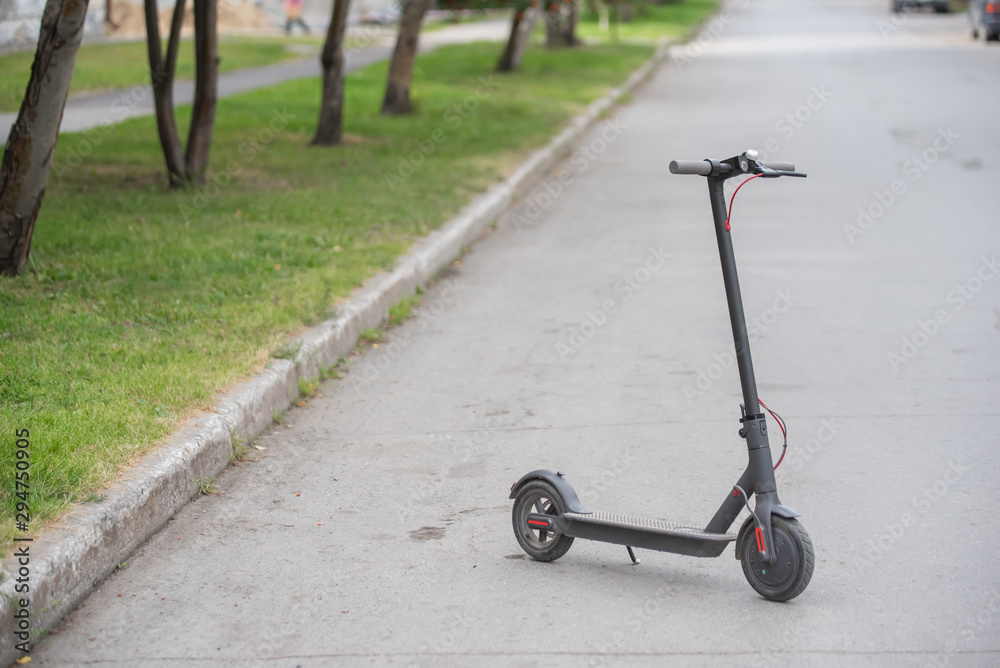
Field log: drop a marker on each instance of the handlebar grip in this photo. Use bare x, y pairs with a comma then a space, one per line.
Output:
780, 166
700, 167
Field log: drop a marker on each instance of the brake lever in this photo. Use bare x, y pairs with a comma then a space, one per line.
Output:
768, 173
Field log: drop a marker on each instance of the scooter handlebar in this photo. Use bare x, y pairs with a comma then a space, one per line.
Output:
704, 167
700, 167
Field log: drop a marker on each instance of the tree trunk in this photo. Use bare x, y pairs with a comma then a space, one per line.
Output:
162, 74
397, 92
109, 14
520, 34
569, 29
553, 18
27, 158
331, 110
206, 79
625, 11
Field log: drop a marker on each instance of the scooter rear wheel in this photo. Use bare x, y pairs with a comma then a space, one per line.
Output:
540, 497
791, 572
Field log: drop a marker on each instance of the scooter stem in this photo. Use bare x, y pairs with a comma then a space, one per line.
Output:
758, 478
733, 296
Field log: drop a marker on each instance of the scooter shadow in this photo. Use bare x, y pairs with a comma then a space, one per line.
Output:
654, 571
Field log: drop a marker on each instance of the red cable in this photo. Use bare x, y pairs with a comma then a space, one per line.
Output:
730, 214
781, 424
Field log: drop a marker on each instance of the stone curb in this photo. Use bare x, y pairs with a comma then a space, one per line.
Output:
71, 559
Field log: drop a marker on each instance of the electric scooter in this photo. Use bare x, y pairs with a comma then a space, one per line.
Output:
774, 549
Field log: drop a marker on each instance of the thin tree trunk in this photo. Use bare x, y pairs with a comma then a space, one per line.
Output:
506, 62
520, 34
206, 54
569, 29
109, 14
331, 110
397, 91
602, 15
162, 74
625, 11
27, 158
553, 18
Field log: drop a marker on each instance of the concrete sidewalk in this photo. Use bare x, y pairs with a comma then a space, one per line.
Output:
90, 111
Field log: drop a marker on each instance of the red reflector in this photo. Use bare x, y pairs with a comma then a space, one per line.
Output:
760, 540
538, 523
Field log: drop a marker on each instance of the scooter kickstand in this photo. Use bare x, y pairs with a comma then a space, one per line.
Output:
631, 554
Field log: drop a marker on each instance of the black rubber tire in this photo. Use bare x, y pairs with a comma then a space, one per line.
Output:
941, 7
538, 496
793, 569
992, 37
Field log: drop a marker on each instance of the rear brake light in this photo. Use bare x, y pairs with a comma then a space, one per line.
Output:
991, 8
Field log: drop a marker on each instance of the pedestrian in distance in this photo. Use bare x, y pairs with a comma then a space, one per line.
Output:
293, 16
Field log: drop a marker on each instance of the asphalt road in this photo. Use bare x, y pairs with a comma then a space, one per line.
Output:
375, 527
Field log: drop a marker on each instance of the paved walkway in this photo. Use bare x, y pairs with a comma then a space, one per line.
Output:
90, 111
374, 530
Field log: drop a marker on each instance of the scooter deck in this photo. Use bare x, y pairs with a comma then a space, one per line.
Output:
646, 533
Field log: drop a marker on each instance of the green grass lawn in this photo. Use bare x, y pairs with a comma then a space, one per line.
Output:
142, 304
125, 64
672, 19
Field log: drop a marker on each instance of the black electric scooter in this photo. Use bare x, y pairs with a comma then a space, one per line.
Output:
774, 549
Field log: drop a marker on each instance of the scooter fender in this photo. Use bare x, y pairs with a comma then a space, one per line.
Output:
558, 481
779, 510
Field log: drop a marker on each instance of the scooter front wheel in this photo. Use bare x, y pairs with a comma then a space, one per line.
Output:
791, 571
539, 497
